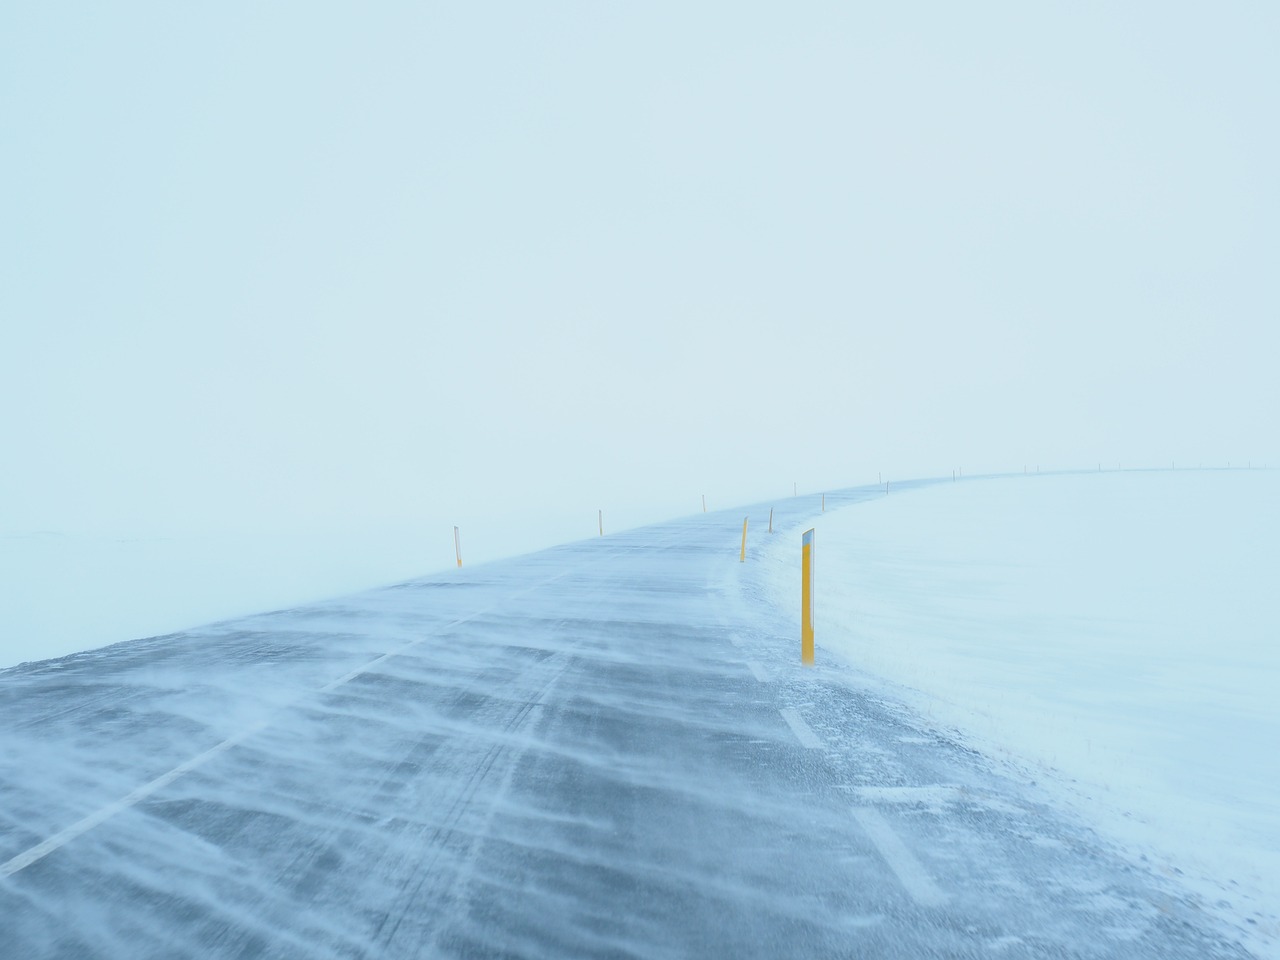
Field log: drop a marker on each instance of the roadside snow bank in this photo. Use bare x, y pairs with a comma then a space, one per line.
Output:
1121, 631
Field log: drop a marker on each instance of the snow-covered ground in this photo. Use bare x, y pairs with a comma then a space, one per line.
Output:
67, 591
604, 748
1118, 633
63, 593
1115, 633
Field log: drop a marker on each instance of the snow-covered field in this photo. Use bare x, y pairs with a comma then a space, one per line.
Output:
63, 593
1117, 633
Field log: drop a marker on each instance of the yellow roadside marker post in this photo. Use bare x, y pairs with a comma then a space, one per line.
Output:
742, 557
457, 545
806, 599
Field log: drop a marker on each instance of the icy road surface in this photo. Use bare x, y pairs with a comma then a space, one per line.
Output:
606, 749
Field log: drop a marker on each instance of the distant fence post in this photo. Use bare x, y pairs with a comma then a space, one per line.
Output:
457, 545
806, 598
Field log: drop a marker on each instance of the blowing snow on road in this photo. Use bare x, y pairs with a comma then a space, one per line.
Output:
604, 749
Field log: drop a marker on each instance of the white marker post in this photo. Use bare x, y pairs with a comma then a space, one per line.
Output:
457, 545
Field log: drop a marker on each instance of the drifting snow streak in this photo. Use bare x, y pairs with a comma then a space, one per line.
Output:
28, 857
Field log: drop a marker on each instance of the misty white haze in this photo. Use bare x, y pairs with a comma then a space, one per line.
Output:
289, 291
302, 266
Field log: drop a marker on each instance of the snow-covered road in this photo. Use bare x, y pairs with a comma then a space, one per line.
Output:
604, 749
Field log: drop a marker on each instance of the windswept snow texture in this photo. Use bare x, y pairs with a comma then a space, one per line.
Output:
63, 593
607, 749
1118, 631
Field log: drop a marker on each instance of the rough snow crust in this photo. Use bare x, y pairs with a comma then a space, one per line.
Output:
1119, 632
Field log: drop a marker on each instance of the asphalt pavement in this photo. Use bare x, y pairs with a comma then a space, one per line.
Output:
607, 749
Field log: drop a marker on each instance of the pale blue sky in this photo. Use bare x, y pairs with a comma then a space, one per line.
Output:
288, 263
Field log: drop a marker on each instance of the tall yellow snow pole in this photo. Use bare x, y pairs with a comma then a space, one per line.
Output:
457, 545
806, 599
742, 557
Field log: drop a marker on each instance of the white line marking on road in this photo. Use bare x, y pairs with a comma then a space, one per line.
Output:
760, 673
67, 834
64, 836
82, 826
901, 861
801, 729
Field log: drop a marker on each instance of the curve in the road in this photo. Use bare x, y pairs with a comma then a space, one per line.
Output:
605, 749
